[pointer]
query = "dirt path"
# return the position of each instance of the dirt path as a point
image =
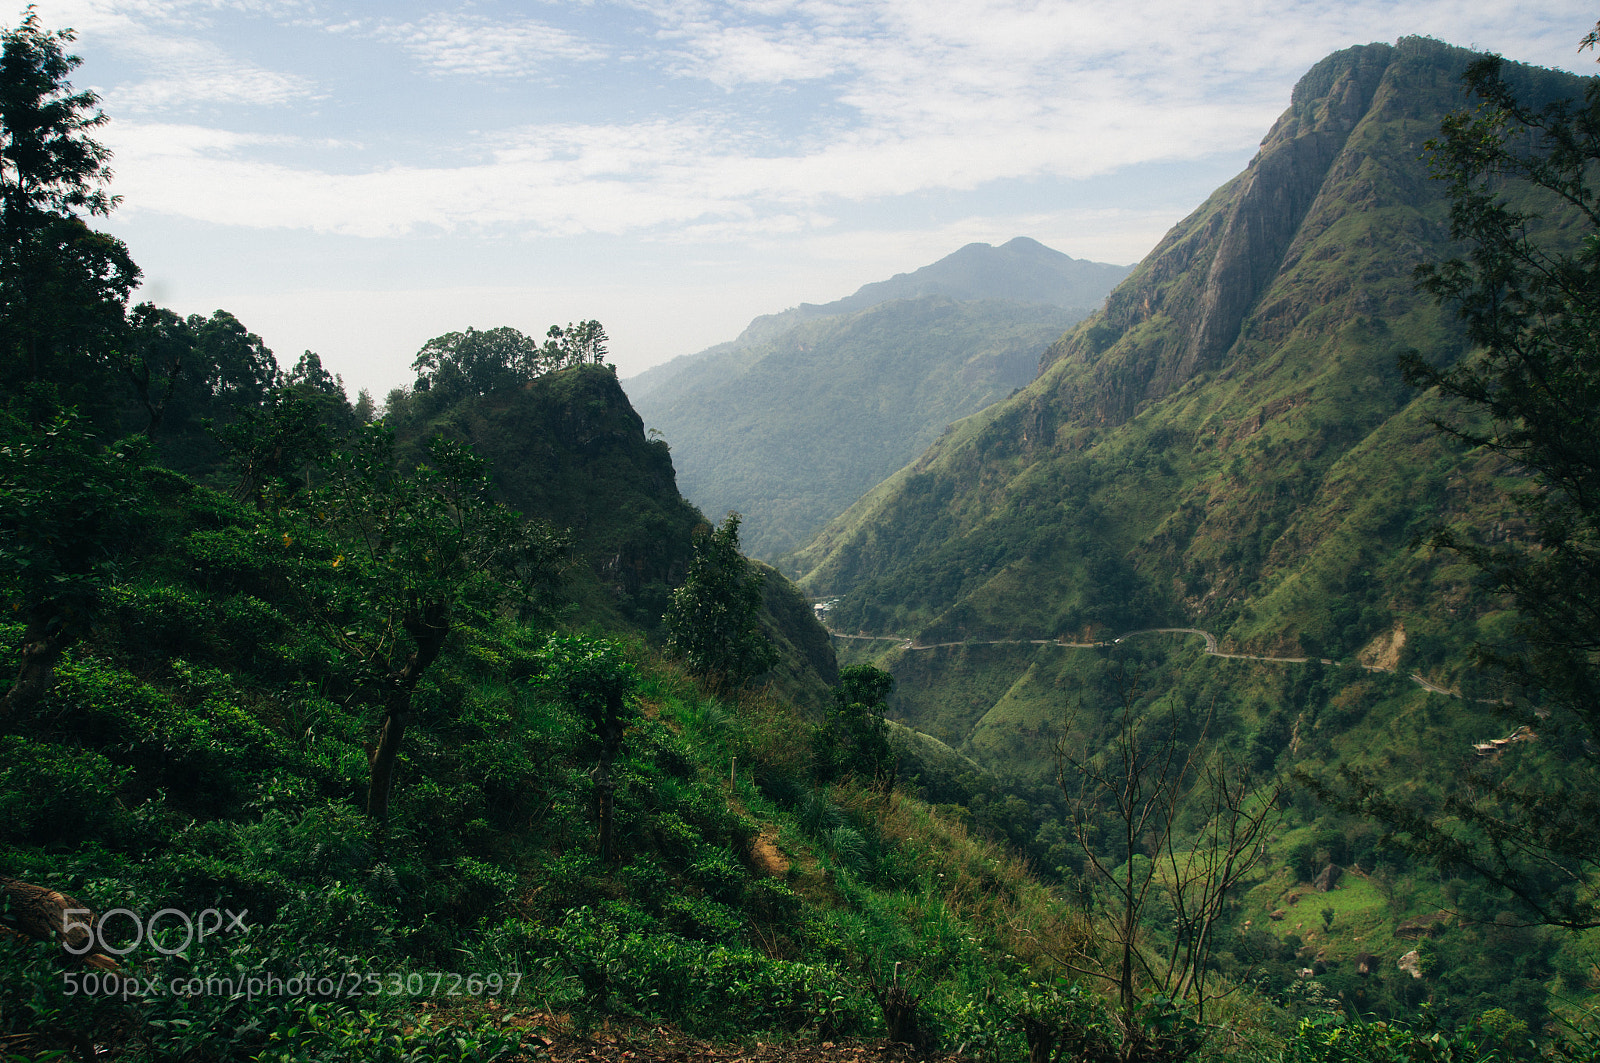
(549, 1039)
(765, 854)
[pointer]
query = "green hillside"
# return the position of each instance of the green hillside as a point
(1229, 447)
(314, 748)
(1229, 444)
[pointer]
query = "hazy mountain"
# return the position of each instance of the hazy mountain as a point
(1020, 270)
(790, 423)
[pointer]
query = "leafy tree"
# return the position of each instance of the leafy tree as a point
(580, 344)
(47, 163)
(236, 368)
(597, 682)
(309, 374)
(1528, 291)
(159, 348)
(714, 620)
(271, 447)
(855, 739)
(413, 547)
(458, 364)
(63, 286)
(68, 506)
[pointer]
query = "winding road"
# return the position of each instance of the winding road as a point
(1212, 649)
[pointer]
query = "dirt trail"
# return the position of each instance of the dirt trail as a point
(765, 854)
(548, 1038)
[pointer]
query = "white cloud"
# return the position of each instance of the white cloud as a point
(180, 70)
(475, 46)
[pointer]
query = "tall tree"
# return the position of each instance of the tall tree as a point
(855, 738)
(714, 620)
(413, 545)
(1524, 203)
(63, 287)
(598, 682)
(580, 344)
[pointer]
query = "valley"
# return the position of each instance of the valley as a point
(1192, 660)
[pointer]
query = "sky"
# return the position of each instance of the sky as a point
(355, 178)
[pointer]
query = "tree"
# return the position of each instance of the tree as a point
(271, 447)
(1124, 805)
(475, 363)
(855, 738)
(1523, 202)
(598, 682)
(68, 509)
(63, 286)
(234, 366)
(48, 163)
(714, 620)
(580, 344)
(412, 547)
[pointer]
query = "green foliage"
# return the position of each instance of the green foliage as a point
(1528, 291)
(855, 739)
(458, 365)
(706, 988)
(69, 508)
(713, 620)
(1335, 1039)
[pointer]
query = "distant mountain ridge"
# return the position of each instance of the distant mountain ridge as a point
(1021, 270)
(791, 422)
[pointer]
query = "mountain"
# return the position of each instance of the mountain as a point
(808, 409)
(1207, 508)
(1020, 270)
(1228, 445)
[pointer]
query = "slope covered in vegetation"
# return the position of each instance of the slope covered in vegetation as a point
(1229, 446)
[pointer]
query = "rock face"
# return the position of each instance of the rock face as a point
(1411, 963)
(1328, 878)
(1231, 255)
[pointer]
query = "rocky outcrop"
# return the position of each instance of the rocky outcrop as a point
(1280, 186)
(1328, 878)
(40, 913)
(1411, 963)
(1424, 926)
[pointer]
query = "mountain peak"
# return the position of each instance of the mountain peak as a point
(1022, 270)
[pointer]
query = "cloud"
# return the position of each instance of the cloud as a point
(815, 105)
(475, 46)
(182, 71)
